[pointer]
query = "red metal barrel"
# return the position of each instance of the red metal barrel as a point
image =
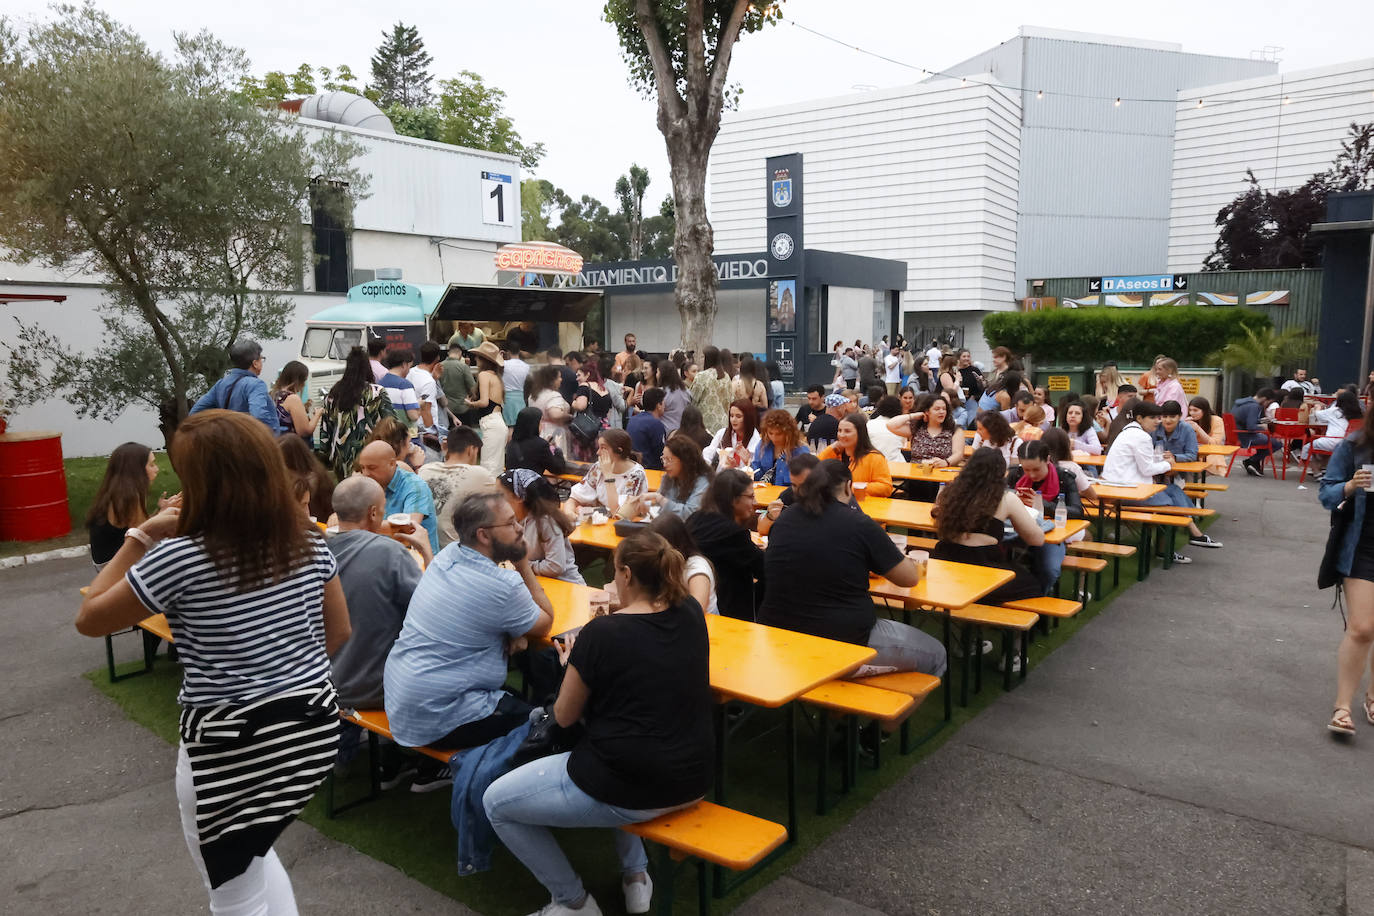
(33, 487)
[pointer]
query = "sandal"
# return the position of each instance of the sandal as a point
(1369, 708)
(1340, 721)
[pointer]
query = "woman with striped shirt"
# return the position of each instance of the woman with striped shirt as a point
(254, 603)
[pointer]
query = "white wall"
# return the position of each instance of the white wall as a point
(1247, 124)
(77, 322)
(850, 315)
(654, 320)
(422, 260)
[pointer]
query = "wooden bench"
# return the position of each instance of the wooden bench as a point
(1054, 608)
(1207, 487)
(1012, 623)
(1082, 567)
(916, 542)
(852, 701)
(377, 725)
(1148, 517)
(1101, 549)
(914, 684)
(709, 834)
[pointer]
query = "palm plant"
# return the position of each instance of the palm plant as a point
(1265, 352)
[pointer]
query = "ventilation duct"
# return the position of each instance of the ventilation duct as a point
(347, 109)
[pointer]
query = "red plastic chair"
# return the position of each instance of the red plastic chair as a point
(1228, 420)
(1354, 427)
(1283, 435)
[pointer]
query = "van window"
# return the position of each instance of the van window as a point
(345, 339)
(316, 343)
(330, 343)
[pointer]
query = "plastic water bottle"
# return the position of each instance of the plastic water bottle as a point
(1061, 513)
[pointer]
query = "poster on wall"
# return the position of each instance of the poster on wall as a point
(783, 352)
(782, 307)
(500, 199)
(1267, 297)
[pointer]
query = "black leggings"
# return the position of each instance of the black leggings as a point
(510, 712)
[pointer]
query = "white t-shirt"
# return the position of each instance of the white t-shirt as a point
(426, 392)
(884, 439)
(514, 373)
(697, 565)
(933, 358)
(893, 364)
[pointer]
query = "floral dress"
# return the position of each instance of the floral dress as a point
(342, 434)
(711, 394)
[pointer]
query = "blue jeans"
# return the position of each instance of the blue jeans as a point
(527, 801)
(1171, 495)
(906, 648)
(1048, 559)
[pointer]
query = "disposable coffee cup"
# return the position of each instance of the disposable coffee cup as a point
(860, 490)
(1369, 468)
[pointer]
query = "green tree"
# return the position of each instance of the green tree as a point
(1265, 230)
(472, 114)
(659, 231)
(400, 68)
(539, 203)
(1265, 352)
(163, 180)
(629, 190)
(592, 229)
(679, 52)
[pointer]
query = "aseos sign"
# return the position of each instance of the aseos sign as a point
(534, 257)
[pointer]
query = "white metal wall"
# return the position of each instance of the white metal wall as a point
(653, 319)
(1247, 124)
(926, 174)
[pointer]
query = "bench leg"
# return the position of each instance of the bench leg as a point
(1006, 659)
(978, 659)
(663, 888)
(1025, 652)
(703, 891)
(963, 667)
(823, 764)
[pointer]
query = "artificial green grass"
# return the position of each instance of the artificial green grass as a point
(83, 480)
(414, 833)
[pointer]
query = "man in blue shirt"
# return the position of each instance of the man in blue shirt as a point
(406, 491)
(647, 431)
(402, 393)
(445, 676)
(1249, 414)
(241, 389)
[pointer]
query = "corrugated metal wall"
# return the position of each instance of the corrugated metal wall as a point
(1305, 292)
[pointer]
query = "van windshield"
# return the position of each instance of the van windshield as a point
(330, 343)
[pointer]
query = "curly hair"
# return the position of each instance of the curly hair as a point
(967, 500)
(998, 429)
(785, 423)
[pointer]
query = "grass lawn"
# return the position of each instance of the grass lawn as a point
(414, 832)
(83, 480)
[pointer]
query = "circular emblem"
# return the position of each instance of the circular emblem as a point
(782, 246)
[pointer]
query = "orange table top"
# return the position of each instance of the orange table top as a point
(913, 514)
(1113, 493)
(571, 602)
(1222, 450)
(1190, 467)
(905, 470)
(946, 585)
(1090, 461)
(766, 493)
(767, 666)
(601, 536)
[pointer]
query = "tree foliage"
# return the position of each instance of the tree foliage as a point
(275, 86)
(1264, 352)
(678, 52)
(588, 226)
(400, 69)
(1264, 230)
(163, 180)
(1188, 333)
(629, 190)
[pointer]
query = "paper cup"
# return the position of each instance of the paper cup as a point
(860, 490)
(922, 559)
(1370, 469)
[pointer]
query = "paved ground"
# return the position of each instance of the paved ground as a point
(1170, 759)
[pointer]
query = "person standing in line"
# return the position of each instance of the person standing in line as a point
(934, 354)
(427, 392)
(485, 407)
(627, 360)
(404, 403)
(241, 389)
(515, 373)
(352, 409)
(892, 371)
(252, 596)
(711, 390)
(648, 431)
(286, 397)
(676, 397)
(1168, 388)
(868, 369)
(376, 352)
(456, 478)
(1345, 490)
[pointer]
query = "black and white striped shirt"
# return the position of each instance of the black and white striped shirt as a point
(236, 647)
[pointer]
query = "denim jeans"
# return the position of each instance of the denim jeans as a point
(906, 648)
(1171, 495)
(1048, 559)
(527, 801)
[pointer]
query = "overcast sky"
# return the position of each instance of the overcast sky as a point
(560, 64)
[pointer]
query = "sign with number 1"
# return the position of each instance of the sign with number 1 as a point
(500, 199)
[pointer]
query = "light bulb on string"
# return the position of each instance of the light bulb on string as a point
(1040, 94)
(1118, 101)
(1287, 100)
(1199, 103)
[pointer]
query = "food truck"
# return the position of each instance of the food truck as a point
(408, 314)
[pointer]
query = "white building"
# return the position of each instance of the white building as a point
(1284, 127)
(429, 212)
(1015, 164)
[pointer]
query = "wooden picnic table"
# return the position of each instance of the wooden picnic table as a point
(1225, 451)
(906, 470)
(909, 513)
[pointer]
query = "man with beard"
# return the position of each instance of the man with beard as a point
(445, 674)
(627, 360)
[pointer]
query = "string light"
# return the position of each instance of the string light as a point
(1199, 103)
(1040, 94)
(1286, 100)
(1118, 101)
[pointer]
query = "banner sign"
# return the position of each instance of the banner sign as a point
(1142, 283)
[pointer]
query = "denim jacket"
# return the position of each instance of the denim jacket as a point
(1342, 466)
(473, 772)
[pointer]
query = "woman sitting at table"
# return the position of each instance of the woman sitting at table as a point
(993, 431)
(970, 515)
(907, 398)
(617, 481)
(820, 554)
(1210, 429)
(409, 456)
(527, 450)
(121, 502)
(639, 681)
(932, 431)
(784, 440)
(733, 446)
(1008, 387)
(1337, 418)
(1039, 473)
(546, 528)
(1031, 425)
(886, 409)
(1078, 424)
(866, 464)
(685, 478)
(1057, 441)
(698, 575)
(722, 530)
(693, 427)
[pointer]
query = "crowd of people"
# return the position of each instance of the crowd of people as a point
(462, 456)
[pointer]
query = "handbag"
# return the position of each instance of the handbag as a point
(546, 738)
(1327, 573)
(585, 426)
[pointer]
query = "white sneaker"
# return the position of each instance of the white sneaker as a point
(554, 908)
(638, 894)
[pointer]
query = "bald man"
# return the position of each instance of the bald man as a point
(405, 492)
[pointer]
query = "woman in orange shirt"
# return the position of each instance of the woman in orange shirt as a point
(866, 464)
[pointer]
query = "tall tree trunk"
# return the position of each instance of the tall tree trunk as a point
(693, 243)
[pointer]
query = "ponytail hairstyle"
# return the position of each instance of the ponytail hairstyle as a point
(821, 485)
(654, 565)
(620, 444)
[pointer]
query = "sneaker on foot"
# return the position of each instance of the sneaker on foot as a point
(393, 774)
(554, 908)
(432, 781)
(1181, 559)
(984, 649)
(1253, 471)
(638, 894)
(1015, 663)
(1203, 541)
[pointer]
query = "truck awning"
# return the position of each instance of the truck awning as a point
(515, 303)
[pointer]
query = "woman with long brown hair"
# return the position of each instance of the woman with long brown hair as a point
(686, 475)
(694, 427)
(867, 466)
(252, 597)
(546, 527)
(311, 480)
(1343, 491)
(721, 529)
(352, 409)
(751, 383)
(616, 481)
(286, 395)
(733, 445)
(122, 500)
(485, 408)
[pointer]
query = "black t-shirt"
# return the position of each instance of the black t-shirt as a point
(825, 428)
(649, 741)
(805, 415)
(817, 570)
(567, 384)
(972, 381)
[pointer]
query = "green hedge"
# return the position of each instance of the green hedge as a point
(1187, 333)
